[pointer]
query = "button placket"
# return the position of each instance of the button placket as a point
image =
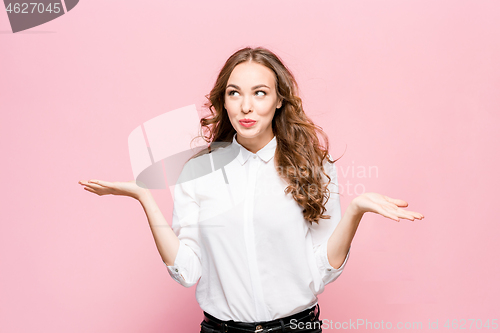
(258, 296)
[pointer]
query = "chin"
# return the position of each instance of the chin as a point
(248, 134)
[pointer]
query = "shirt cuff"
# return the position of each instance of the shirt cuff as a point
(328, 272)
(178, 271)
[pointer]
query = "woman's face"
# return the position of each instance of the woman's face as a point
(251, 94)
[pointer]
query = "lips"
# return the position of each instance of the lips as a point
(247, 122)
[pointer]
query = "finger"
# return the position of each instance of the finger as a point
(408, 212)
(392, 205)
(416, 215)
(90, 190)
(100, 182)
(89, 183)
(398, 202)
(94, 186)
(388, 214)
(405, 214)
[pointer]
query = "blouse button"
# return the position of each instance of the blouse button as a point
(329, 269)
(254, 157)
(176, 270)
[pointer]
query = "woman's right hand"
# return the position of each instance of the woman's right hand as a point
(101, 187)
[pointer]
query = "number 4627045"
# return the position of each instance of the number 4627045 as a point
(24, 8)
(478, 324)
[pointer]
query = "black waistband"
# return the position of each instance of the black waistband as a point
(235, 326)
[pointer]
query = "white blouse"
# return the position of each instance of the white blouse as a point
(245, 241)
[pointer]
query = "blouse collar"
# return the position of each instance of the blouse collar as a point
(265, 153)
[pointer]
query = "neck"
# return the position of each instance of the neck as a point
(254, 144)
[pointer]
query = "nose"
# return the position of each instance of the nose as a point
(246, 104)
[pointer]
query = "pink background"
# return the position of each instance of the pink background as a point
(409, 87)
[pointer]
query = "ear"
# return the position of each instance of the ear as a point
(279, 103)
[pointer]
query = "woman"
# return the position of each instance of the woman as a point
(253, 230)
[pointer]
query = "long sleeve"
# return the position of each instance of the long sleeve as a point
(187, 266)
(321, 232)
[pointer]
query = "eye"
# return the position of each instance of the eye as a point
(260, 91)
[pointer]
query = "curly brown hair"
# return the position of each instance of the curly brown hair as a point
(299, 155)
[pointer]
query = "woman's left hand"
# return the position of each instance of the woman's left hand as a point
(385, 206)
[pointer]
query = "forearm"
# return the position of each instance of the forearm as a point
(341, 238)
(165, 238)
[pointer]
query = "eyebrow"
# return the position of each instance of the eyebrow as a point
(253, 88)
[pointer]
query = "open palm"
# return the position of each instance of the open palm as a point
(385, 206)
(101, 187)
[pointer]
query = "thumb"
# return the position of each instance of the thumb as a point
(399, 202)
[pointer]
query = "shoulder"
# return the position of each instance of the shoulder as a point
(330, 170)
(206, 162)
(194, 168)
(329, 165)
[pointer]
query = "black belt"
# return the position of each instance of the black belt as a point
(277, 325)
